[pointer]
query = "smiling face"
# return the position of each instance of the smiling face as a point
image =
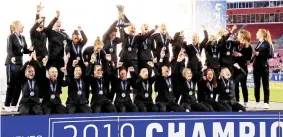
(53, 73)
(225, 73)
(78, 72)
(163, 28)
(75, 39)
(209, 75)
(165, 71)
(144, 73)
(144, 28)
(187, 74)
(132, 29)
(123, 74)
(195, 39)
(112, 35)
(98, 72)
(30, 72)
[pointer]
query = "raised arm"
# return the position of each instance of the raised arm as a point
(204, 41)
(110, 29)
(84, 38)
(34, 27)
(51, 24)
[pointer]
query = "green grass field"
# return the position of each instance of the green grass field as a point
(276, 93)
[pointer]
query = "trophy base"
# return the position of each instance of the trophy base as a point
(123, 25)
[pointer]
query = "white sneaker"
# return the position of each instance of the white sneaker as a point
(14, 108)
(187, 110)
(7, 109)
(257, 105)
(245, 104)
(266, 106)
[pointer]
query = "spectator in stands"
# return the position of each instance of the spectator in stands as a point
(261, 54)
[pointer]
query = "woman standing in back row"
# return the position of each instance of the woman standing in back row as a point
(261, 54)
(242, 54)
(16, 47)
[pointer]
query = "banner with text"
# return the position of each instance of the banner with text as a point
(273, 78)
(250, 124)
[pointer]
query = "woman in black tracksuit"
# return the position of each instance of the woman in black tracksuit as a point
(207, 91)
(164, 87)
(188, 97)
(16, 47)
(99, 57)
(242, 55)
(111, 41)
(121, 88)
(100, 101)
(52, 86)
(226, 90)
(143, 90)
(29, 80)
(178, 44)
(76, 101)
(74, 48)
(194, 52)
(263, 52)
(162, 41)
(215, 49)
(146, 48)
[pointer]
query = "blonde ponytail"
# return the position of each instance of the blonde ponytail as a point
(12, 29)
(98, 42)
(268, 39)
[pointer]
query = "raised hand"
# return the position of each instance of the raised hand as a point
(58, 13)
(162, 54)
(44, 61)
(236, 65)
(34, 55)
(75, 62)
(63, 69)
(154, 60)
(119, 64)
(108, 57)
(150, 63)
(79, 28)
(203, 27)
(31, 48)
(39, 7)
(131, 69)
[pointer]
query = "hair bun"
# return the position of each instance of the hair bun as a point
(76, 32)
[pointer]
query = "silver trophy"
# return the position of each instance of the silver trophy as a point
(121, 22)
